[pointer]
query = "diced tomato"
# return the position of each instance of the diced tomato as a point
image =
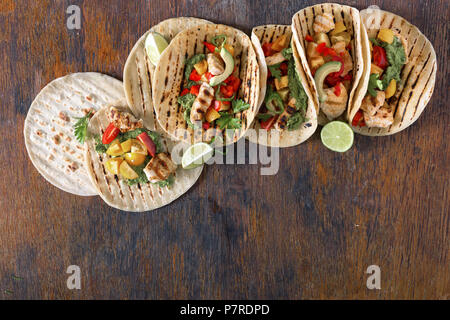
(333, 78)
(194, 76)
(211, 47)
(267, 49)
(284, 68)
(206, 125)
(218, 104)
(266, 125)
(148, 143)
(184, 92)
(347, 77)
(309, 38)
(337, 89)
(110, 134)
(358, 119)
(208, 75)
(379, 57)
(321, 47)
(195, 90)
(234, 82)
(227, 91)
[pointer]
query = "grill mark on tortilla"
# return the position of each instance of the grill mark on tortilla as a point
(149, 77)
(418, 74)
(116, 178)
(425, 89)
(140, 85)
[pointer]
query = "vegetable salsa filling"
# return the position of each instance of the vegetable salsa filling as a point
(285, 103)
(135, 153)
(210, 90)
(388, 58)
(329, 57)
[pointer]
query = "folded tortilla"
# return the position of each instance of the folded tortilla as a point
(417, 78)
(285, 138)
(168, 80)
(114, 190)
(138, 71)
(302, 25)
(49, 133)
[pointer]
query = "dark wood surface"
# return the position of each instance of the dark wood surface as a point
(308, 232)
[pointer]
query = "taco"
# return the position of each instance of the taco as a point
(131, 166)
(50, 139)
(138, 71)
(328, 37)
(400, 64)
(207, 81)
(285, 105)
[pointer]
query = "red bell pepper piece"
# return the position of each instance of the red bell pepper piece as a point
(184, 92)
(210, 46)
(218, 104)
(266, 125)
(337, 89)
(110, 134)
(309, 38)
(208, 75)
(195, 90)
(206, 125)
(267, 49)
(148, 143)
(379, 57)
(194, 76)
(358, 119)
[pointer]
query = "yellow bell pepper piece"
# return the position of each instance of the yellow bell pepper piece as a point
(390, 90)
(386, 35)
(339, 27)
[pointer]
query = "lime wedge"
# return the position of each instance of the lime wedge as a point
(154, 46)
(337, 136)
(196, 155)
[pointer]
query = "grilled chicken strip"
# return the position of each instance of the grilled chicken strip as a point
(275, 58)
(383, 118)
(202, 102)
(323, 23)
(370, 105)
(287, 113)
(160, 168)
(215, 64)
(334, 106)
(124, 121)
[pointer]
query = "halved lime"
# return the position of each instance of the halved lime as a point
(337, 136)
(196, 155)
(155, 44)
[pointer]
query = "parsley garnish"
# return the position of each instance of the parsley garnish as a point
(275, 70)
(81, 127)
(374, 83)
(239, 105)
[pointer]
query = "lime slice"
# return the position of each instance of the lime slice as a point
(337, 136)
(196, 155)
(154, 46)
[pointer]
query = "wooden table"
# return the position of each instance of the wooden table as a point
(310, 231)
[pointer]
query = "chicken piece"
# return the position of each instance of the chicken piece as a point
(348, 63)
(383, 118)
(323, 23)
(289, 110)
(124, 121)
(339, 47)
(160, 167)
(275, 58)
(370, 105)
(202, 102)
(334, 106)
(215, 64)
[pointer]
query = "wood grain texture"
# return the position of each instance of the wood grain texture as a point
(308, 232)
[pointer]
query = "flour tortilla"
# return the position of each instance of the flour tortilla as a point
(138, 71)
(261, 35)
(169, 76)
(302, 25)
(417, 78)
(115, 191)
(48, 130)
